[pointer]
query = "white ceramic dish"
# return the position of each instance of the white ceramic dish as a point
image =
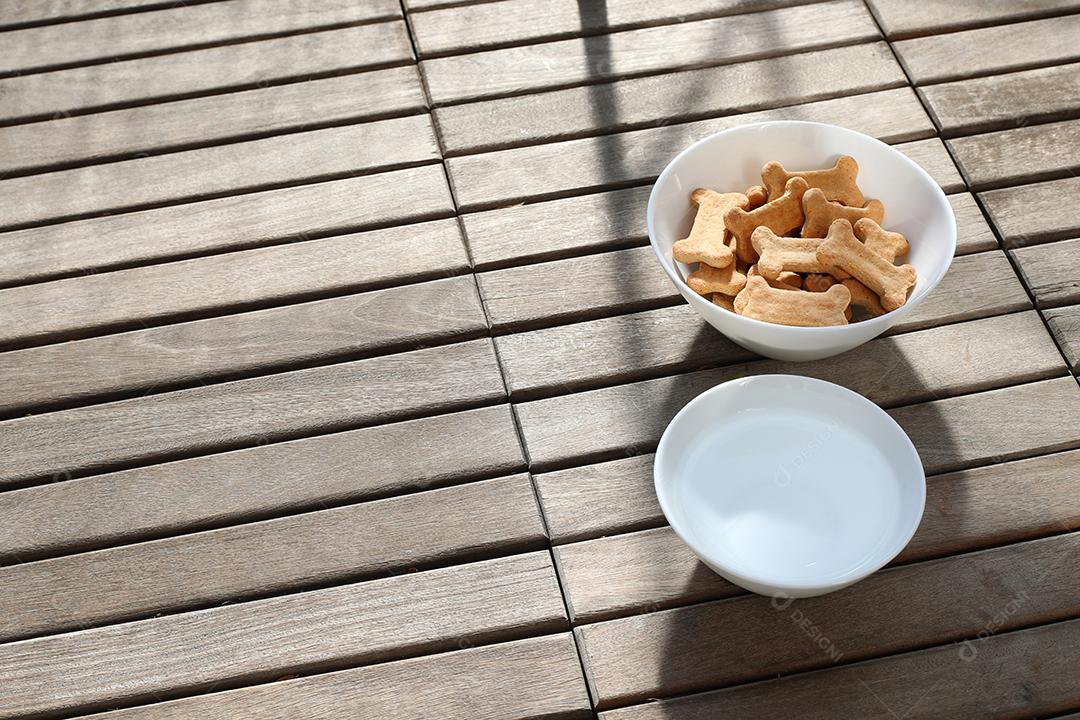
(730, 161)
(789, 486)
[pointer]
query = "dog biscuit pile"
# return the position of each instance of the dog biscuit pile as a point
(803, 248)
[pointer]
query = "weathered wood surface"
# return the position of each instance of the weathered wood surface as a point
(962, 293)
(123, 36)
(229, 223)
(1031, 214)
(597, 109)
(546, 171)
(273, 557)
(485, 25)
(1016, 674)
(656, 343)
(519, 680)
(80, 306)
(999, 102)
(965, 511)
(1021, 155)
(260, 482)
(615, 219)
(593, 500)
(624, 348)
(52, 11)
(281, 379)
(575, 288)
(648, 50)
(904, 608)
(123, 134)
(232, 346)
(245, 65)
(244, 413)
(1064, 323)
(321, 630)
(949, 433)
(228, 169)
(1051, 272)
(900, 18)
(991, 50)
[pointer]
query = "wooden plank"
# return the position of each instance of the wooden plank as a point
(257, 483)
(532, 678)
(1065, 325)
(593, 500)
(630, 347)
(962, 294)
(122, 134)
(52, 11)
(546, 171)
(244, 413)
(244, 65)
(1021, 155)
(484, 26)
(900, 19)
(1033, 214)
(299, 552)
(616, 219)
(606, 423)
(1018, 674)
(124, 36)
(1004, 101)
(531, 296)
(231, 223)
(964, 431)
(973, 234)
(660, 100)
(81, 306)
(557, 228)
(227, 169)
(585, 355)
(1051, 272)
(316, 631)
(661, 654)
(931, 156)
(970, 510)
(233, 346)
(636, 52)
(986, 51)
(575, 288)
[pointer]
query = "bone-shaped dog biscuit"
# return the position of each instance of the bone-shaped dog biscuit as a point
(780, 215)
(838, 182)
(707, 279)
(706, 240)
(725, 301)
(777, 254)
(760, 301)
(889, 282)
(863, 297)
(820, 213)
(889, 245)
(758, 196)
(784, 281)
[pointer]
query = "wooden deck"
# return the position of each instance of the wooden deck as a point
(332, 355)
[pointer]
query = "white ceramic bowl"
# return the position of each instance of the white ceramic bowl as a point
(730, 161)
(789, 486)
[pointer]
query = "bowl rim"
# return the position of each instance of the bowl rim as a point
(885, 320)
(835, 581)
